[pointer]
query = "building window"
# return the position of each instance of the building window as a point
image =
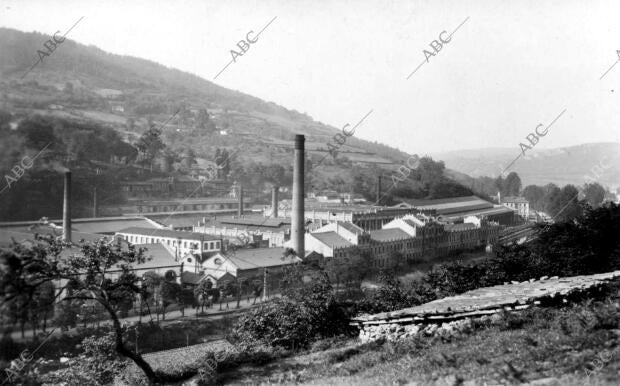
(168, 241)
(217, 245)
(184, 244)
(206, 245)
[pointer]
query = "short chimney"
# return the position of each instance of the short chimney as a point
(66, 209)
(297, 220)
(240, 209)
(274, 201)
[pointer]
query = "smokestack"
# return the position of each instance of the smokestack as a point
(378, 188)
(297, 220)
(240, 209)
(95, 205)
(274, 201)
(66, 209)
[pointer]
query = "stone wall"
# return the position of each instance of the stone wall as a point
(396, 331)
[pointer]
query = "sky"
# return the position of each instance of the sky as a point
(509, 67)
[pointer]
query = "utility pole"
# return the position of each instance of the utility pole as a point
(95, 202)
(264, 284)
(238, 291)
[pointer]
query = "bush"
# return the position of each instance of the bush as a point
(309, 311)
(280, 323)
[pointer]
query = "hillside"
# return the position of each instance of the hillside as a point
(567, 165)
(124, 92)
(96, 108)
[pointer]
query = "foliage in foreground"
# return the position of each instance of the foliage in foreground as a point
(307, 311)
(85, 271)
(515, 348)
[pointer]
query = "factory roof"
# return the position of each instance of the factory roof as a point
(7, 236)
(459, 227)
(159, 256)
(252, 258)
(350, 227)
(515, 200)
(168, 233)
(481, 212)
(331, 239)
(104, 225)
(389, 234)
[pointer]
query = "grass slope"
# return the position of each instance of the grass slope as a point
(574, 345)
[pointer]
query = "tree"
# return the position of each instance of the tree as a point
(594, 194)
(222, 161)
(569, 204)
(37, 131)
(24, 268)
(204, 122)
(306, 311)
(151, 283)
(150, 144)
(551, 199)
(44, 302)
(66, 314)
(512, 185)
(229, 290)
(170, 292)
(535, 195)
(201, 292)
(186, 298)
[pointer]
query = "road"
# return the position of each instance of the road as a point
(210, 314)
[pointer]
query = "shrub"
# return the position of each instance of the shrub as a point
(309, 311)
(280, 323)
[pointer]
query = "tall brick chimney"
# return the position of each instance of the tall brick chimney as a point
(66, 209)
(297, 220)
(274, 201)
(378, 188)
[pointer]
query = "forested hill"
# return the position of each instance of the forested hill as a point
(147, 89)
(115, 118)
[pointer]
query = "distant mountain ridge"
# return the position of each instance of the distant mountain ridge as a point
(561, 166)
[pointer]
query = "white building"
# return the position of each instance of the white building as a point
(180, 242)
(519, 204)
